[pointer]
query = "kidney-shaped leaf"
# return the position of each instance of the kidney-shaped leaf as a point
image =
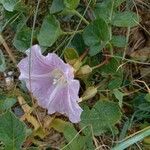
(49, 32)
(12, 131)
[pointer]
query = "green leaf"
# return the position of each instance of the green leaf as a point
(59, 125)
(125, 19)
(2, 62)
(78, 142)
(49, 32)
(96, 35)
(111, 67)
(116, 81)
(12, 131)
(22, 39)
(78, 43)
(6, 103)
(57, 6)
(71, 4)
(116, 73)
(103, 116)
(70, 133)
(9, 5)
(70, 54)
(118, 2)
(104, 9)
(119, 95)
(118, 41)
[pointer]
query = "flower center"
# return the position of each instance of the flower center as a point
(58, 77)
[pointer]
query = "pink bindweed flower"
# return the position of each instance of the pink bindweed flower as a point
(51, 82)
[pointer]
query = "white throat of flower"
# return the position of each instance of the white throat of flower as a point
(58, 77)
(59, 81)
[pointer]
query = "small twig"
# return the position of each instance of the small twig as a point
(101, 64)
(8, 50)
(148, 89)
(84, 54)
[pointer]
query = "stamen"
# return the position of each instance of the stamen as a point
(58, 77)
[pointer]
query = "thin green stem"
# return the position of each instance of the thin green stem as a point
(128, 60)
(80, 16)
(127, 39)
(71, 37)
(72, 32)
(110, 18)
(111, 48)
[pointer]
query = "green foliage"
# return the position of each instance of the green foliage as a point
(119, 95)
(6, 103)
(79, 142)
(103, 10)
(57, 6)
(102, 117)
(118, 41)
(71, 4)
(147, 97)
(78, 43)
(75, 140)
(12, 131)
(22, 39)
(116, 80)
(96, 35)
(66, 5)
(111, 67)
(106, 9)
(70, 54)
(116, 73)
(91, 37)
(141, 107)
(49, 32)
